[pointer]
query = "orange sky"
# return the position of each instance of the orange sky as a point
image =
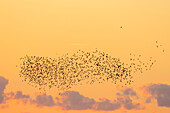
(47, 27)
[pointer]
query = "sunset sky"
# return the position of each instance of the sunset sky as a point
(51, 28)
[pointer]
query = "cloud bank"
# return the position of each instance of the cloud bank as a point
(72, 100)
(161, 92)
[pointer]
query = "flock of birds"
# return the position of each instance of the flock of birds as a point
(81, 67)
(160, 46)
(66, 71)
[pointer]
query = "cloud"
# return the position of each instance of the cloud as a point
(124, 97)
(19, 95)
(161, 92)
(129, 91)
(106, 105)
(40, 100)
(72, 100)
(44, 100)
(129, 105)
(3, 83)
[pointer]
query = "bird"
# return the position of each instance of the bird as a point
(163, 50)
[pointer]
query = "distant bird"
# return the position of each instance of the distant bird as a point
(160, 46)
(121, 27)
(163, 50)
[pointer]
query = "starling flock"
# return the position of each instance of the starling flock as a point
(82, 66)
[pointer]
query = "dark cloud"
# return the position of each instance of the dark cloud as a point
(129, 105)
(41, 100)
(3, 83)
(124, 97)
(106, 105)
(72, 100)
(24, 98)
(44, 100)
(161, 92)
(126, 101)
(129, 91)
(19, 95)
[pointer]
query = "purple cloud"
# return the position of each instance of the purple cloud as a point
(3, 83)
(161, 92)
(124, 97)
(106, 105)
(44, 100)
(129, 105)
(19, 95)
(74, 101)
(129, 91)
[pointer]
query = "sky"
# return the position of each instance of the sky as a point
(51, 28)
